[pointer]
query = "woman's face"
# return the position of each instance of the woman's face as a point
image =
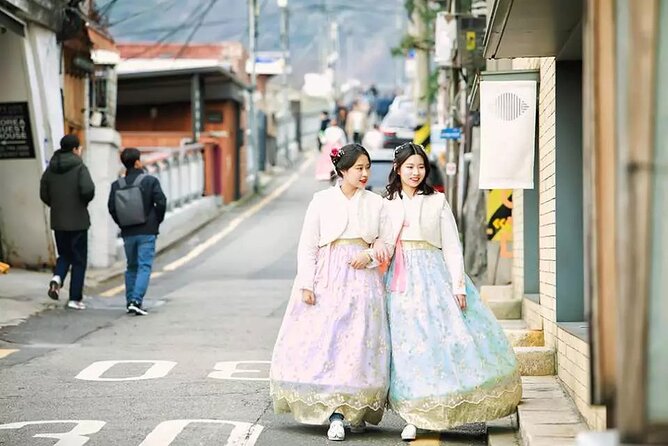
(358, 175)
(412, 172)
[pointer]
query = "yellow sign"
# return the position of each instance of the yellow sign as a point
(423, 137)
(470, 40)
(500, 219)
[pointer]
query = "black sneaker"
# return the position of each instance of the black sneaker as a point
(127, 309)
(54, 290)
(137, 309)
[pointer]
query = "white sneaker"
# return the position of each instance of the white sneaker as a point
(358, 428)
(336, 431)
(76, 305)
(409, 433)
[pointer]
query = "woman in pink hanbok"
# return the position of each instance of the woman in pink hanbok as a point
(331, 358)
(332, 138)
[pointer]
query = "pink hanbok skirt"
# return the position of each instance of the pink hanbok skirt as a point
(334, 355)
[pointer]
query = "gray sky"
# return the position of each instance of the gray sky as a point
(368, 29)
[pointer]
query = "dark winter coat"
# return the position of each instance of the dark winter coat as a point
(155, 203)
(67, 188)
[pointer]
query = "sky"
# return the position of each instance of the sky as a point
(368, 29)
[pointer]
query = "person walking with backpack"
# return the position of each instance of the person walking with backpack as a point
(67, 187)
(137, 205)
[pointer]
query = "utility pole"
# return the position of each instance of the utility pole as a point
(334, 55)
(452, 156)
(398, 65)
(254, 154)
(422, 63)
(283, 5)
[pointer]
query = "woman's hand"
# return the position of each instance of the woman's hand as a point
(308, 297)
(381, 251)
(360, 261)
(461, 301)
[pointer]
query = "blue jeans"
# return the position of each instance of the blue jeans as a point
(72, 252)
(139, 252)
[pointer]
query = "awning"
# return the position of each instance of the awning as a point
(12, 23)
(535, 28)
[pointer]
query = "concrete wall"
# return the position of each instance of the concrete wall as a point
(29, 73)
(101, 157)
(569, 194)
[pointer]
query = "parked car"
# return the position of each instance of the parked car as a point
(381, 166)
(398, 127)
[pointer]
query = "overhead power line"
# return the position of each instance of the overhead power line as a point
(196, 28)
(163, 5)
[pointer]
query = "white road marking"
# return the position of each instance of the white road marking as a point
(227, 370)
(76, 437)
(94, 372)
(243, 434)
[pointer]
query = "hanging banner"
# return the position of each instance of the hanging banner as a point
(507, 134)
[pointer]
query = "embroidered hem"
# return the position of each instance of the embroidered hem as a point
(484, 403)
(315, 407)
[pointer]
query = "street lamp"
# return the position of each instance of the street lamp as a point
(282, 3)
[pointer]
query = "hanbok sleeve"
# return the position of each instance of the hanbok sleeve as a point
(307, 251)
(386, 234)
(385, 239)
(452, 249)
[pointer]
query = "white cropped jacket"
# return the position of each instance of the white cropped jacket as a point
(326, 220)
(438, 227)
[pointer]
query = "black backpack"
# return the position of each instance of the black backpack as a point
(129, 202)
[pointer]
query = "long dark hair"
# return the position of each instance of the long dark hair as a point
(346, 157)
(401, 154)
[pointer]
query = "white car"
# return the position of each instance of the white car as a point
(398, 127)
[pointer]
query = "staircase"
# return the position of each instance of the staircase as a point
(534, 358)
(546, 416)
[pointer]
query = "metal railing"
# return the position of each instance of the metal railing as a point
(180, 171)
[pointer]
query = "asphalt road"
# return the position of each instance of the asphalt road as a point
(203, 350)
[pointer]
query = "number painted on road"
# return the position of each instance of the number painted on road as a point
(76, 437)
(94, 372)
(243, 434)
(229, 370)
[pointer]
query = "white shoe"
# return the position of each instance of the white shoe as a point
(76, 305)
(336, 431)
(409, 433)
(358, 428)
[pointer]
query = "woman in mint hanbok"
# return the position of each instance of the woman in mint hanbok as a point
(331, 358)
(451, 362)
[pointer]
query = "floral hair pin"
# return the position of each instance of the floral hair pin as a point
(336, 154)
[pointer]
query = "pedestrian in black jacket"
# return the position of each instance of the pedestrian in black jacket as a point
(137, 205)
(67, 188)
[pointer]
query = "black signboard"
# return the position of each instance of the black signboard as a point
(15, 132)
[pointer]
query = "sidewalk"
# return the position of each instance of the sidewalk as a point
(23, 294)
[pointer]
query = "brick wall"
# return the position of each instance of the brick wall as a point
(546, 199)
(574, 372)
(572, 352)
(547, 187)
